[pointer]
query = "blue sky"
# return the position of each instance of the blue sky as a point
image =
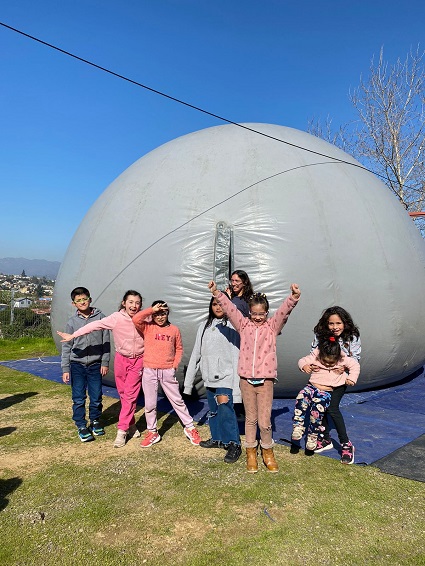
(68, 130)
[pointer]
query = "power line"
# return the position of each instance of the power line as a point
(174, 99)
(189, 105)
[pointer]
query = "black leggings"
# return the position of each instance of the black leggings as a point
(337, 418)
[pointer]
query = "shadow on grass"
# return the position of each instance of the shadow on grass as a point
(17, 398)
(6, 488)
(111, 414)
(7, 430)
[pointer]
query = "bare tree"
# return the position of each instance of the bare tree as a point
(388, 135)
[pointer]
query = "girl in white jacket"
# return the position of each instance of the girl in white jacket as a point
(216, 353)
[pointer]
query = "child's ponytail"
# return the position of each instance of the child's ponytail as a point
(329, 347)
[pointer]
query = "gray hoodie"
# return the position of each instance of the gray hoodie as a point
(216, 355)
(88, 349)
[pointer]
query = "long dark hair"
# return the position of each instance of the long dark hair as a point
(247, 287)
(211, 317)
(350, 329)
(127, 294)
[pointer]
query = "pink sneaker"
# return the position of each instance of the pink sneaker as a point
(193, 435)
(149, 439)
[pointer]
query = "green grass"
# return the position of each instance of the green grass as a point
(26, 348)
(69, 503)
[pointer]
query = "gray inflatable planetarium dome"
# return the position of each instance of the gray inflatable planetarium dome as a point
(226, 198)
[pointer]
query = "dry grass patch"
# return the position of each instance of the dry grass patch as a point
(68, 503)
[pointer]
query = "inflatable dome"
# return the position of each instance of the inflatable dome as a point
(302, 211)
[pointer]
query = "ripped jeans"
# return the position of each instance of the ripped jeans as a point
(222, 417)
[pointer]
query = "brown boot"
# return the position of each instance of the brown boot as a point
(269, 460)
(251, 460)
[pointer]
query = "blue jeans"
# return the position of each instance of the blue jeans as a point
(222, 417)
(85, 379)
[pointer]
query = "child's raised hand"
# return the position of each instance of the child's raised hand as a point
(65, 336)
(296, 291)
(160, 307)
(212, 287)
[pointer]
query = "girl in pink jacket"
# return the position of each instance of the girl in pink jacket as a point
(128, 362)
(258, 367)
(333, 368)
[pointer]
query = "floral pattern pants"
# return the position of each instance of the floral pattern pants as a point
(315, 400)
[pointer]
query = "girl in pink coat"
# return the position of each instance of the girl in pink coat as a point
(257, 367)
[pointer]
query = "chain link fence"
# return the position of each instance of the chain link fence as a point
(25, 317)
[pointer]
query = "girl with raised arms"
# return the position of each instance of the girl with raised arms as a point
(257, 367)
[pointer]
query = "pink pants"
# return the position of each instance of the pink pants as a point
(128, 379)
(258, 401)
(170, 387)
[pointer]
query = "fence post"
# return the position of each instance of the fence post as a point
(12, 300)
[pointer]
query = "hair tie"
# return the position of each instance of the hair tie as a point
(331, 338)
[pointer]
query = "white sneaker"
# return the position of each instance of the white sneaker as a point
(120, 439)
(297, 432)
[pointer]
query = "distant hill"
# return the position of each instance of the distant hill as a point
(36, 267)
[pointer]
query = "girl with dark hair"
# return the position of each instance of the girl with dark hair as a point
(333, 369)
(163, 354)
(216, 353)
(128, 361)
(240, 290)
(257, 367)
(338, 322)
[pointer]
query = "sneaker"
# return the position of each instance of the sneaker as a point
(193, 435)
(149, 439)
(120, 439)
(311, 442)
(210, 443)
(297, 432)
(97, 429)
(233, 453)
(133, 432)
(85, 434)
(347, 453)
(323, 444)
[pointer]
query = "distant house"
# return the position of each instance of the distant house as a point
(22, 303)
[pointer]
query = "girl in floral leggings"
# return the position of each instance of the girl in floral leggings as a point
(333, 368)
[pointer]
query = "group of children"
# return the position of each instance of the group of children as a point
(235, 350)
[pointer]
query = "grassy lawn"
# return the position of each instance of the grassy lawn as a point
(22, 348)
(67, 503)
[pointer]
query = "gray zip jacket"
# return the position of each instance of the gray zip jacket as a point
(216, 354)
(88, 349)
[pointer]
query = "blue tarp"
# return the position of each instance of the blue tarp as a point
(378, 422)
